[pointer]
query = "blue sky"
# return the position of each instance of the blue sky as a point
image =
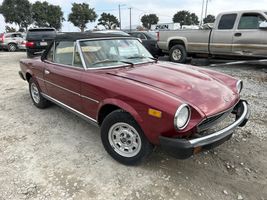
(164, 9)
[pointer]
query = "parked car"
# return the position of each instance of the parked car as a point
(115, 32)
(38, 39)
(137, 101)
(12, 41)
(239, 35)
(149, 40)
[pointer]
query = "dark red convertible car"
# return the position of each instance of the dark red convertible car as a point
(138, 102)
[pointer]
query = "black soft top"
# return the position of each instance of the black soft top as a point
(73, 36)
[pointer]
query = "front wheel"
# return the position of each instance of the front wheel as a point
(123, 138)
(178, 54)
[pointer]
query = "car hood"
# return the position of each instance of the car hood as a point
(186, 83)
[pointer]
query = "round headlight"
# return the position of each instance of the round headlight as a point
(239, 86)
(182, 117)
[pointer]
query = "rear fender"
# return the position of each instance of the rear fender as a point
(182, 40)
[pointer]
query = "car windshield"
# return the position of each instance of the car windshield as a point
(113, 52)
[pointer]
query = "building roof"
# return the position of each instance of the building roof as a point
(73, 36)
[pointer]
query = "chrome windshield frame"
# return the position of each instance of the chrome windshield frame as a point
(97, 39)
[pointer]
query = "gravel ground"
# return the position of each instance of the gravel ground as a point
(52, 154)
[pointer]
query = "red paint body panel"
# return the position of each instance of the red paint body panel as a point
(162, 86)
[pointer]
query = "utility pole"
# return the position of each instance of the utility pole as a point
(206, 11)
(130, 19)
(120, 15)
(120, 5)
(202, 12)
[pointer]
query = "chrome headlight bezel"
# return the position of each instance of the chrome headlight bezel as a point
(176, 117)
(239, 86)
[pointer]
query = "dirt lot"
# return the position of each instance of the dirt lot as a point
(52, 154)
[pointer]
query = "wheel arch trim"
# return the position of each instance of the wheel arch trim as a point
(122, 105)
(182, 39)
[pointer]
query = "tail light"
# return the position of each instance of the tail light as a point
(2, 38)
(158, 36)
(29, 44)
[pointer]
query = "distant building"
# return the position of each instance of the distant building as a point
(190, 27)
(166, 26)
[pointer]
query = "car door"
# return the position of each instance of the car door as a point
(62, 74)
(249, 40)
(144, 39)
(222, 35)
(147, 42)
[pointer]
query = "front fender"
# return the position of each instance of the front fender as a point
(121, 104)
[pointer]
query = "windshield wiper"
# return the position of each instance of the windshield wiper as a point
(135, 57)
(105, 61)
(142, 57)
(112, 61)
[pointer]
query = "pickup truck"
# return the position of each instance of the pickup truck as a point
(241, 34)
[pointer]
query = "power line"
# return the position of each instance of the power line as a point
(108, 10)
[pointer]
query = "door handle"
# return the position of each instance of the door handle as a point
(46, 72)
(238, 34)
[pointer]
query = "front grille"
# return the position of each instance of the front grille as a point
(211, 121)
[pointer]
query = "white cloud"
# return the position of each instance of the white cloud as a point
(164, 9)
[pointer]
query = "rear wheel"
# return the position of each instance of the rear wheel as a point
(38, 100)
(12, 47)
(123, 138)
(178, 54)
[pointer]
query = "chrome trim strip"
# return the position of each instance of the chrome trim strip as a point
(237, 83)
(110, 38)
(70, 109)
(81, 54)
(85, 97)
(99, 68)
(222, 133)
(66, 66)
(82, 96)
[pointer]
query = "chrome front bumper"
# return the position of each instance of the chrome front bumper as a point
(183, 148)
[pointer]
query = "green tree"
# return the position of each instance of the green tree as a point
(81, 14)
(209, 19)
(17, 11)
(47, 15)
(148, 20)
(108, 20)
(184, 17)
(10, 29)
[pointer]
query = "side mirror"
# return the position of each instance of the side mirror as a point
(263, 25)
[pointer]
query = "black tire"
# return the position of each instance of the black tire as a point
(121, 117)
(178, 49)
(29, 55)
(12, 47)
(200, 61)
(42, 102)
